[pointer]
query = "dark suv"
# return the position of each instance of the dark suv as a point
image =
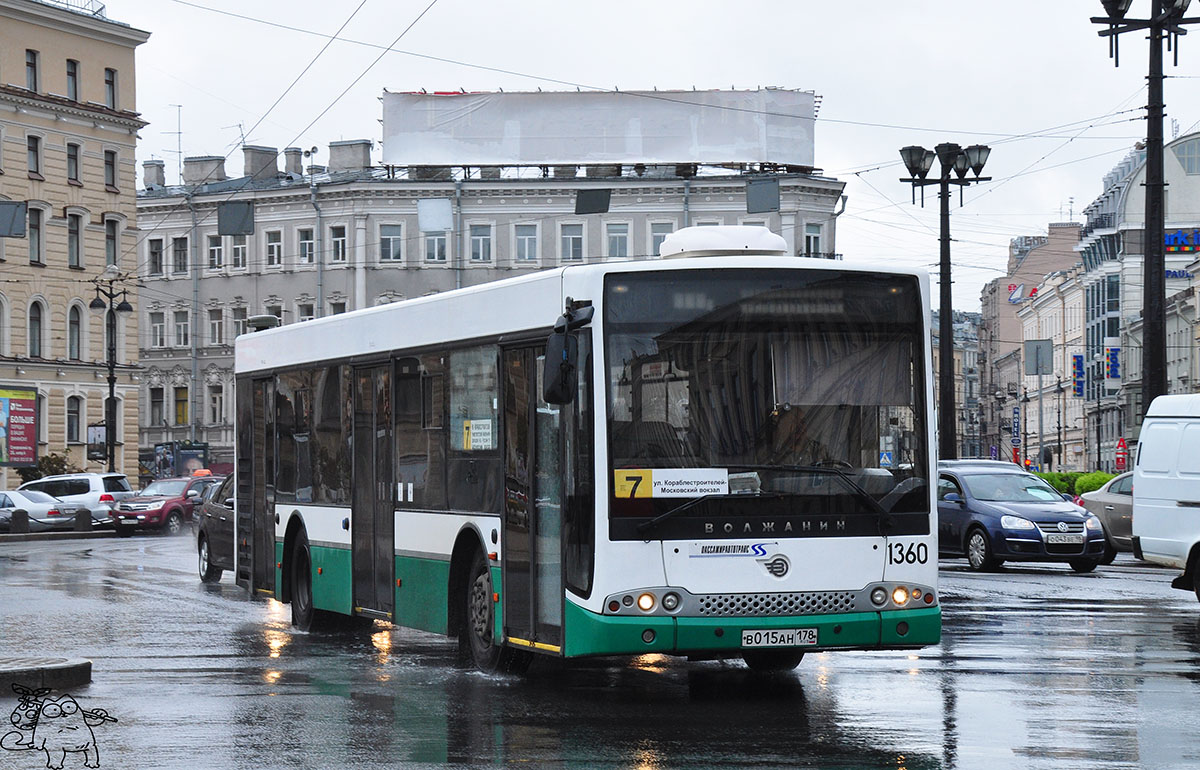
(164, 504)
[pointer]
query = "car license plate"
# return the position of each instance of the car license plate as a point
(779, 637)
(1064, 539)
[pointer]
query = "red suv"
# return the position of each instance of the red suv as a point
(164, 504)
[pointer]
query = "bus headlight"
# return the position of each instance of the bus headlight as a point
(645, 602)
(900, 596)
(879, 596)
(670, 602)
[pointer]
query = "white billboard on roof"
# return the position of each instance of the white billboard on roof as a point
(560, 128)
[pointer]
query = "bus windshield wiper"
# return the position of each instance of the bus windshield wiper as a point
(646, 525)
(885, 517)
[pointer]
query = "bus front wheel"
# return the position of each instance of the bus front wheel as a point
(477, 644)
(772, 660)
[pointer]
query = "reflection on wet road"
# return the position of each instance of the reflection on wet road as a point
(1038, 668)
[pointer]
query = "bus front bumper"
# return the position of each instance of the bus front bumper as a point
(588, 633)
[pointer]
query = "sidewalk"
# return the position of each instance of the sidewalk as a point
(36, 673)
(12, 537)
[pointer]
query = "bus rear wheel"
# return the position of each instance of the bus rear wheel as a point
(304, 616)
(772, 660)
(476, 642)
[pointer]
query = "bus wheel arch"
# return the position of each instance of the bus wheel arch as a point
(294, 528)
(461, 560)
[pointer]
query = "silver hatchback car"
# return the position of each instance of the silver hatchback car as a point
(98, 492)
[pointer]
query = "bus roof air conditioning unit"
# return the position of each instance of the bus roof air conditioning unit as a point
(722, 240)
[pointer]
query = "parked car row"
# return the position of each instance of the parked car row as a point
(53, 502)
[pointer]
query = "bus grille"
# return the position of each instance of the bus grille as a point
(738, 605)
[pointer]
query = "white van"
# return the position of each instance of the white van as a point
(1166, 488)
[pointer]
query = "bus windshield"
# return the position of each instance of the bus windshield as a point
(754, 392)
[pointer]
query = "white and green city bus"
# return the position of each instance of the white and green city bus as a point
(725, 452)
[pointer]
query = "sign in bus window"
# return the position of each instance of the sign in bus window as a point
(474, 399)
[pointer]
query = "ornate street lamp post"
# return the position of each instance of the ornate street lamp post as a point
(958, 161)
(1166, 19)
(103, 305)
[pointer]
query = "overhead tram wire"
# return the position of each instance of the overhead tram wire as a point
(263, 117)
(331, 105)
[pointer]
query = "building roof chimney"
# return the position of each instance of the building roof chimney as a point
(154, 174)
(203, 169)
(293, 161)
(352, 155)
(261, 162)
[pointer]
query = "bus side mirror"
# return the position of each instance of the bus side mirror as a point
(560, 379)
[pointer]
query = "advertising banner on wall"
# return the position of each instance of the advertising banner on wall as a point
(179, 458)
(18, 426)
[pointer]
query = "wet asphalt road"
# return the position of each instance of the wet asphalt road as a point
(1039, 668)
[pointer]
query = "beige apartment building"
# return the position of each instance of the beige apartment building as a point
(68, 130)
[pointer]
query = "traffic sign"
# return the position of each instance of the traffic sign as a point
(1016, 441)
(885, 459)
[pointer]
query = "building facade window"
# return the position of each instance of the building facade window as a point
(181, 406)
(179, 255)
(570, 242)
(156, 407)
(35, 330)
(216, 404)
(337, 308)
(72, 80)
(658, 233)
(274, 248)
(277, 311)
(111, 241)
(154, 257)
(237, 252)
(74, 333)
(110, 88)
(527, 243)
(158, 330)
(110, 170)
(305, 311)
(391, 243)
(481, 243)
(216, 253)
(33, 155)
(307, 249)
(238, 314)
(337, 243)
(34, 235)
(74, 240)
(812, 240)
(32, 69)
(182, 329)
(216, 328)
(435, 247)
(72, 162)
(617, 235)
(74, 417)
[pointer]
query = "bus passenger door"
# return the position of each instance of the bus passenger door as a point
(256, 485)
(373, 513)
(533, 492)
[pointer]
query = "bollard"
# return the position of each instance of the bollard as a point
(20, 522)
(83, 520)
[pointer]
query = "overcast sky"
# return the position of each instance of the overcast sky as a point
(1029, 77)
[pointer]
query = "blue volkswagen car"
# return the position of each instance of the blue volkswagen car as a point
(993, 512)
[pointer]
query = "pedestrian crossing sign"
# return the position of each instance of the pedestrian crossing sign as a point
(885, 459)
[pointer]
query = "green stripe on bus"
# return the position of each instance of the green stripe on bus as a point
(588, 633)
(423, 594)
(332, 580)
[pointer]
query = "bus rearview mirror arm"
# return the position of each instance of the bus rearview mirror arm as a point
(560, 378)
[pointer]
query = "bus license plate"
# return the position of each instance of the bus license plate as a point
(779, 637)
(1064, 539)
